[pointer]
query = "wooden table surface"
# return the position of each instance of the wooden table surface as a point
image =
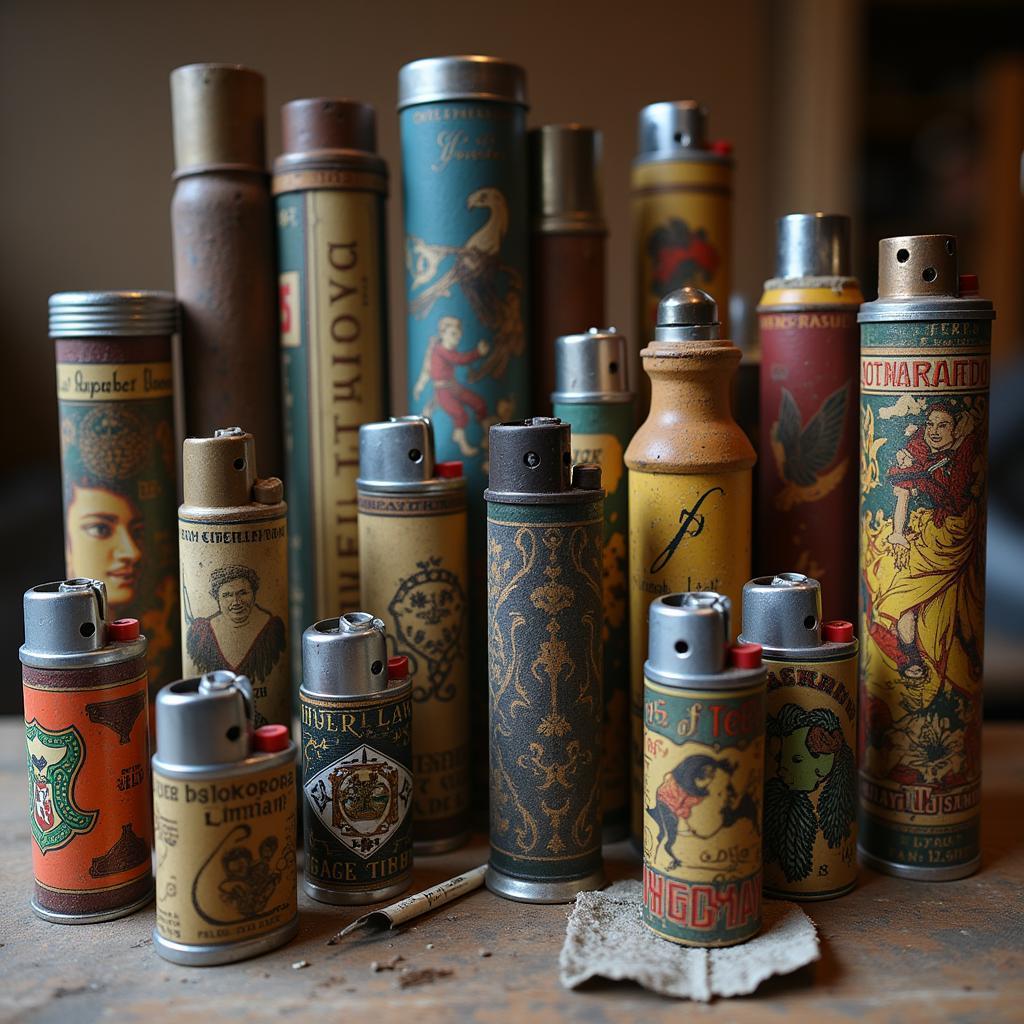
(891, 951)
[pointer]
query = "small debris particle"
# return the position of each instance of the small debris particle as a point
(386, 965)
(62, 991)
(483, 952)
(142, 942)
(299, 964)
(424, 976)
(430, 945)
(451, 917)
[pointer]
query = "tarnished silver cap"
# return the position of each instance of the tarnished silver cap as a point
(675, 130)
(565, 194)
(592, 367)
(688, 314)
(113, 314)
(398, 455)
(812, 245)
(464, 77)
(203, 721)
(345, 657)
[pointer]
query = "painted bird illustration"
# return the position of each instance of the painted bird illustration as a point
(476, 268)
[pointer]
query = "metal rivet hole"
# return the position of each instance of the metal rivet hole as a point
(87, 629)
(810, 622)
(233, 733)
(682, 648)
(415, 455)
(377, 667)
(239, 464)
(531, 460)
(929, 274)
(613, 367)
(902, 256)
(950, 246)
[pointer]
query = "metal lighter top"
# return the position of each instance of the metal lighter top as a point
(812, 245)
(688, 644)
(592, 367)
(117, 314)
(918, 279)
(688, 314)
(464, 77)
(531, 463)
(346, 657)
(677, 130)
(398, 453)
(565, 194)
(217, 115)
(782, 613)
(220, 472)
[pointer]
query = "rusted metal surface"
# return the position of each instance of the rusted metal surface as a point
(892, 951)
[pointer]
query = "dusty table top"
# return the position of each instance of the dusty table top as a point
(891, 951)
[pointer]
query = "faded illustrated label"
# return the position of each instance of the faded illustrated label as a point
(810, 800)
(225, 851)
(234, 605)
(113, 382)
(924, 443)
(703, 758)
(357, 790)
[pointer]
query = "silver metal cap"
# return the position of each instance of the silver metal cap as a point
(812, 245)
(782, 612)
(203, 721)
(688, 314)
(345, 657)
(565, 194)
(592, 367)
(675, 129)
(396, 452)
(66, 618)
(465, 77)
(113, 314)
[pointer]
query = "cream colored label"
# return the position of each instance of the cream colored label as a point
(234, 606)
(113, 382)
(225, 852)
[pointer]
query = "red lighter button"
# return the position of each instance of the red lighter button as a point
(448, 470)
(837, 632)
(269, 739)
(721, 147)
(123, 629)
(968, 284)
(745, 655)
(398, 667)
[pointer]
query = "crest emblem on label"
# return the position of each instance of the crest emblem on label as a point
(362, 798)
(54, 760)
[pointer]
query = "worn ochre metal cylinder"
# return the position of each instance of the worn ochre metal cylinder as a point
(222, 225)
(689, 481)
(224, 799)
(115, 398)
(924, 382)
(356, 710)
(703, 737)
(682, 214)
(330, 188)
(87, 734)
(808, 391)
(233, 539)
(545, 526)
(592, 395)
(567, 245)
(412, 531)
(810, 802)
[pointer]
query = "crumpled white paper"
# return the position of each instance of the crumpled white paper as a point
(606, 937)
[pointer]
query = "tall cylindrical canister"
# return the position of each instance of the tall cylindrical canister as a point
(567, 245)
(330, 188)
(545, 527)
(810, 799)
(924, 383)
(412, 531)
(224, 802)
(87, 734)
(682, 214)
(115, 397)
(689, 482)
(592, 395)
(222, 226)
(233, 538)
(808, 399)
(357, 782)
(703, 775)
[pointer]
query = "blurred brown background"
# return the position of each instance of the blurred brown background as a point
(907, 115)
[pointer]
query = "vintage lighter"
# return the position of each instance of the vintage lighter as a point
(87, 733)
(703, 775)
(689, 481)
(924, 383)
(222, 226)
(810, 800)
(115, 398)
(592, 395)
(567, 245)
(224, 803)
(808, 400)
(357, 783)
(233, 539)
(682, 213)
(412, 532)
(545, 525)
(330, 188)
